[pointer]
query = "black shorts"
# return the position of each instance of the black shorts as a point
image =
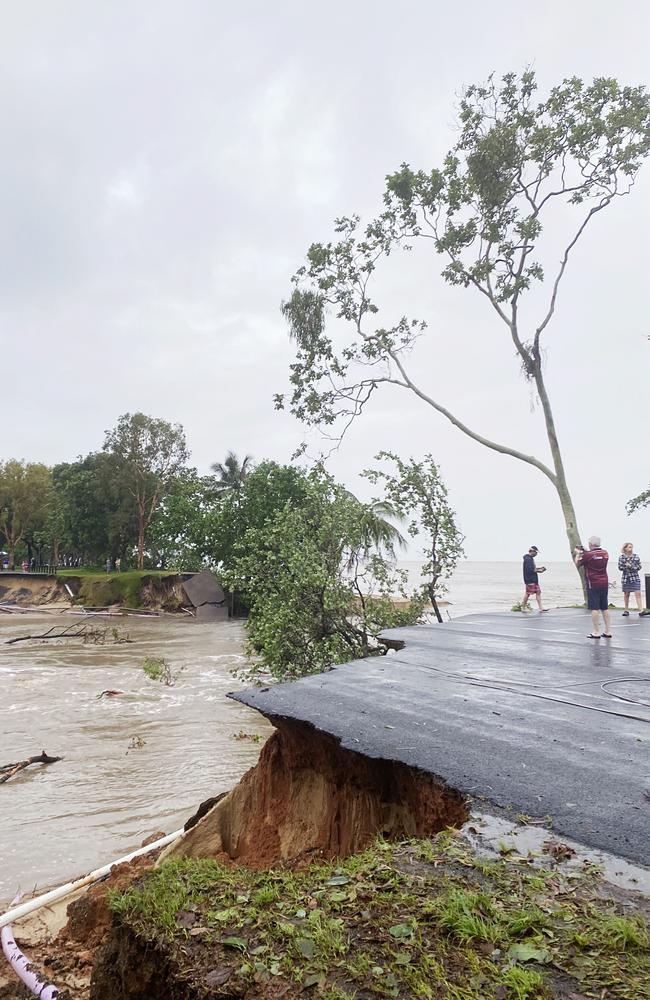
(597, 598)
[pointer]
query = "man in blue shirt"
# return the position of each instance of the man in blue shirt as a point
(531, 579)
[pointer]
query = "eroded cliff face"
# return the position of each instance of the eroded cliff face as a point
(309, 797)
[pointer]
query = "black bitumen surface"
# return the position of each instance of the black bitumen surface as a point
(523, 711)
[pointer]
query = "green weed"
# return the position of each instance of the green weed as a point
(423, 919)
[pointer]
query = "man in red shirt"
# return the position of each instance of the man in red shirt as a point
(595, 565)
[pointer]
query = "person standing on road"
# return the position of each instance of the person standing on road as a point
(595, 566)
(531, 579)
(630, 566)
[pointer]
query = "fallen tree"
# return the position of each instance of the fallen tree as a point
(9, 770)
(88, 633)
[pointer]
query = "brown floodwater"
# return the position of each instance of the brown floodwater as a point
(103, 799)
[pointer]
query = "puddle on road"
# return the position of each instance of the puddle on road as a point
(488, 834)
(103, 799)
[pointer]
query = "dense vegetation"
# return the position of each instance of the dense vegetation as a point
(312, 565)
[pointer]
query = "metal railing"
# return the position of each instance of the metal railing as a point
(45, 569)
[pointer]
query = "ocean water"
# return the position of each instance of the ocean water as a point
(496, 586)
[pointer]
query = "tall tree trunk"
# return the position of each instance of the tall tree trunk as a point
(561, 485)
(141, 529)
(141, 547)
(434, 602)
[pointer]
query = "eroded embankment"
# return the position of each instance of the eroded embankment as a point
(309, 797)
(306, 799)
(282, 887)
(32, 591)
(133, 589)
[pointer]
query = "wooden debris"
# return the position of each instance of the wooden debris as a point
(9, 770)
(88, 633)
(52, 633)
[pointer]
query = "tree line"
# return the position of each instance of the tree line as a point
(101, 506)
(313, 566)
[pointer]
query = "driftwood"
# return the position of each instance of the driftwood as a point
(51, 633)
(8, 770)
(86, 632)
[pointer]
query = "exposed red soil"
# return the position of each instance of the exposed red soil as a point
(308, 796)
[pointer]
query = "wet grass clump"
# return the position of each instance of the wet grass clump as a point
(420, 919)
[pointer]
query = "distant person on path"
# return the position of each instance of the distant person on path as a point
(630, 566)
(108, 565)
(118, 565)
(595, 566)
(531, 579)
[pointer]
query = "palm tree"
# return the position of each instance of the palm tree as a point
(232, 474)
(379, 532)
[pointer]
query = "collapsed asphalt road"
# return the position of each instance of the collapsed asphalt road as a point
(523, 711)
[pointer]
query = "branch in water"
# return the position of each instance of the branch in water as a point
(9, 770)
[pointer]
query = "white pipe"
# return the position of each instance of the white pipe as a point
(23, 967)
(50, 897)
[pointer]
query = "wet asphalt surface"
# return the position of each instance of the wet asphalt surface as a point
(509, 709)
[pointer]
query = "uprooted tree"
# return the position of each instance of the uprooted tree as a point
(318, 579)
(516, 162)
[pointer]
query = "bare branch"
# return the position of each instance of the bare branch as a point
(604, 202)
(495, 446)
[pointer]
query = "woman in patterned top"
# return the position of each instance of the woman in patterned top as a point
(629, 565)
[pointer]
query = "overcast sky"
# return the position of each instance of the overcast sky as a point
(164, 167)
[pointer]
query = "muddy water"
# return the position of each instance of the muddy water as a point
(103, 799)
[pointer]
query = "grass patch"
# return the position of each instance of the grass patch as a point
(96, 589)
(99, 571)
(420, 919)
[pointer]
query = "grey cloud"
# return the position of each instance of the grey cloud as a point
(164, 168)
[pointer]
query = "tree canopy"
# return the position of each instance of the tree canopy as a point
(513, 196)
(25, 497)
(152, 453)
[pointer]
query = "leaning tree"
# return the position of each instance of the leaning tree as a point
(517, 160)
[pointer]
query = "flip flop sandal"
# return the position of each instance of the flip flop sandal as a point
(592, 636)
(606, 635)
